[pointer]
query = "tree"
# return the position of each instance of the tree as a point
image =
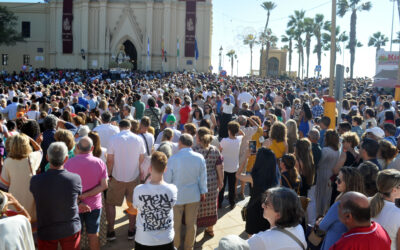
(288, 38)
(231, 54)
(267, 6)
(340, 38)
(250, 40)
(8, 33)
(269, 40)
(297, 23)
(352, 6)
(309, 31)
(377, 40)
(319, 26)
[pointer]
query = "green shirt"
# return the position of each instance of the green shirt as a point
(71, 154)
(139, 108)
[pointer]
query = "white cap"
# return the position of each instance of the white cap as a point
(377, 131)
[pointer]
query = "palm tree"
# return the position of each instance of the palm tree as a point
(309, 31)
(340, 38)
(269, 40)
(319, 26)
(250, 40)
(231, 54)
(267, 6)
(288, 38)
(377, 40)
(352, 6)
(296, 22)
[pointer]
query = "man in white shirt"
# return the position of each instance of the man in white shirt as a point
(11, 110)
(126, 152)
(243, 97)
(171, 123)
(106, 130)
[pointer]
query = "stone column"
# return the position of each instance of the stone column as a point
(166, 33)
(103, 51)
(149, 34)
(54, 36)
(84, 33)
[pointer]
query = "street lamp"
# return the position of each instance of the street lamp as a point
(220, 59)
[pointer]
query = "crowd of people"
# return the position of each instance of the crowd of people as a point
(77, 144)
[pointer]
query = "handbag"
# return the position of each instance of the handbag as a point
(316, 236)
(282, 230)
(303, 199)
(145, 166)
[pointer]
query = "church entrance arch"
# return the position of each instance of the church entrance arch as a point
(273, 67)
(130, 50)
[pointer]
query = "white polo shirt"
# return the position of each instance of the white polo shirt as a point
(126, 148)
(106, 131)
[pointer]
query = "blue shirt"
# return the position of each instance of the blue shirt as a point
(321, 140)
(391, 139)
(187, 171)
(332, 226)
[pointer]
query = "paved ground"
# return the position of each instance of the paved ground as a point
(229, 222)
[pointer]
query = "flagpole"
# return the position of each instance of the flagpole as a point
(177, 54)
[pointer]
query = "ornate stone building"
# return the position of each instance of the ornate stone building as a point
(276, 62)
(90, 34)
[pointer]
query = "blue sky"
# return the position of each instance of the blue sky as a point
(233, 18)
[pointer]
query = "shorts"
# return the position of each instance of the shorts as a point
(91, 220)
(169, 246)
(117, 190)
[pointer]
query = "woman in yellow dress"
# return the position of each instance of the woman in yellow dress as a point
(278, 140)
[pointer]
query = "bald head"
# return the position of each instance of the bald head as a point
(357, 205)
(85, 145)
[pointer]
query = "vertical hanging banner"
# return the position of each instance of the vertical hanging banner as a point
(190, 27)
(67, 18)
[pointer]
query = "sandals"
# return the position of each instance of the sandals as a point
(209, 232)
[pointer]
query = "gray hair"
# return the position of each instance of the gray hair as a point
(85, 144)
(186, 140)
(242, 120)
(83, 130)
(313, 134)
(50, 122)
(57, 153)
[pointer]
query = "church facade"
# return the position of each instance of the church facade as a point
(157, 35)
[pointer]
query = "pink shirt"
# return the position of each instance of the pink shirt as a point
(91, 170)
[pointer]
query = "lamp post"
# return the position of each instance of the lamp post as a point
(220, 59)
(333, 49)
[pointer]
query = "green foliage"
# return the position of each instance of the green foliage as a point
(8, 33)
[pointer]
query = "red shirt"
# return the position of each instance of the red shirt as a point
(364, 238)
(184, 113)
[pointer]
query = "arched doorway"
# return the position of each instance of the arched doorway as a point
(130, 51)
(273, 67)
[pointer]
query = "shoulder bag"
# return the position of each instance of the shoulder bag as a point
(146, 163)
(282, 230)
(303, 199)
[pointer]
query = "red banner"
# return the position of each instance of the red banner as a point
(190, 27)
(67, 18)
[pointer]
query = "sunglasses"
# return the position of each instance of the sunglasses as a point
(338, 180)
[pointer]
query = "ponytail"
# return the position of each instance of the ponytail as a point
(377, 204)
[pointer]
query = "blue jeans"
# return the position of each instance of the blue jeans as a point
(92, 221)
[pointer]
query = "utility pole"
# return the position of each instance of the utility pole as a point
(237, 67)
(333, 49)
(220, 60)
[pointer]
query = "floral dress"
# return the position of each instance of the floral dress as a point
(208, 215)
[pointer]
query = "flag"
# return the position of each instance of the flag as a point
(196, 50)
(148, 46)
(177, 47)
(165, 55)
(162, 49)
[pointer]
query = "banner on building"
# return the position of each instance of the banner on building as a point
(67, 39)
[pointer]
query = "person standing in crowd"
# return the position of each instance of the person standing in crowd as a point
(324, 124)
(282, 208)
(230, 148)
(290, 177)
(139, 107)
(293, 135)
(50, 125)
(93, 173)
(125, 154)
(349, 179)
(155, 199)
(383, 208)
(19, 167)
(369, 151)
(227, 111)
(106, 130)
(184, 114)
(355, 213)
(187, 171)
(208, 214)
(57, 208)
(278, 140)
(11, 110)
(264, 175)
(171, 124)
(329, 158)
(154, 114)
